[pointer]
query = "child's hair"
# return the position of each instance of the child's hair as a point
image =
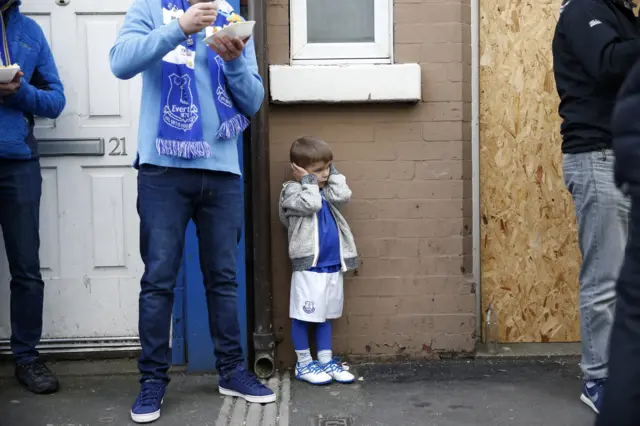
(308, 150)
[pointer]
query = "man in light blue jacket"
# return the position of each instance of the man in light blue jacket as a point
(196, 101)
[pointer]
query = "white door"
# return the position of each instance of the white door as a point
(89, 226)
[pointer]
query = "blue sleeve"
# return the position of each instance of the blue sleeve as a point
(244, 82)
(43, 96)
(140, 44)
(593, 32)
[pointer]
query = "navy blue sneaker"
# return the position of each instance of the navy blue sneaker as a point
(243, 384)
(592, 394)
(146, 409)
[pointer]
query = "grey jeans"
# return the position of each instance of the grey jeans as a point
(602, 212)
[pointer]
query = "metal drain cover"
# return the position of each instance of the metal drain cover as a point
(335, 421)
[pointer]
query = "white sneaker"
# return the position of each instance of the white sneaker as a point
(338, 372)
(312, 373)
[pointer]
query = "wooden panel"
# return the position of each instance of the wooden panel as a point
(530, 256)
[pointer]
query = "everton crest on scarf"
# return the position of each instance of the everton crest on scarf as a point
(180, 131)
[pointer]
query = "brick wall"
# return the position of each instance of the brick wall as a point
(409, 167)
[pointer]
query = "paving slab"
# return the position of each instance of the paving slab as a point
(452, 393)
(106, 400)
(483, 392)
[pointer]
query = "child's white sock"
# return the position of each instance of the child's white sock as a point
(304, 357)
(325, 357)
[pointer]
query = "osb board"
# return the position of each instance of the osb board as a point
(530, 256)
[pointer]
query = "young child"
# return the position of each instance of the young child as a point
(321, 248)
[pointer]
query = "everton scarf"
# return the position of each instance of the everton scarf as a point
(180, 131)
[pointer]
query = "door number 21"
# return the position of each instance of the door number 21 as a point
(118, 146)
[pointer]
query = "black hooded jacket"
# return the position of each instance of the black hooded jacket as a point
(595, 45)
(626, 134)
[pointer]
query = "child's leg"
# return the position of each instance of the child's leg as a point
(332, 367)
(323, 340)
(306, 370)
(300, 336)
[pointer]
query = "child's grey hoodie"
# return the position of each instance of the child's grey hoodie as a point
(299, 204)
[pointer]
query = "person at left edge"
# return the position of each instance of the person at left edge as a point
(195, 104)
(36, 90)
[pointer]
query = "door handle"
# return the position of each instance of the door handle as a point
(62, 2)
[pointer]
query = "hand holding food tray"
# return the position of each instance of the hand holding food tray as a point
(7, 74)
(236, 28)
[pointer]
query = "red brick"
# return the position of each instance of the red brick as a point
(438, 304)
(400, 324)
(364, 152)
(442, 33)
(401, 344)
(396, 267)
(288, 115)
(409, 209)
(407, 53)
(379, 305)
(373, 229)
(278, 14)
(375, 171)
(397, 132)
(407, 286)
(444, 111)
(278, 35)
(420, 151)
(408, 13)
(442, 53)
(410, 33)
(455, 245)
(429, 228)
(332, 134)
(443, 13)
(278, 54)
(443, 131)
(409, 167)
(444, 190)
(443, 92)
(443, 170)
(454, 342)
(443, 72)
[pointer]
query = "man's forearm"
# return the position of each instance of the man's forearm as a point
(47, 103)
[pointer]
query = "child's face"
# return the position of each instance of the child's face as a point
(321, 170)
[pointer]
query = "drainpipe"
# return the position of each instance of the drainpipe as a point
(263, 336)
(475, 160)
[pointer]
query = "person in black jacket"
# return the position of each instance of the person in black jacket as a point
(622, 401)
(594, 47)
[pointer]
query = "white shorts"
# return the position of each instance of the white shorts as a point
(315, 296)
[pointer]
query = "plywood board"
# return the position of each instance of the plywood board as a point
(530, 256)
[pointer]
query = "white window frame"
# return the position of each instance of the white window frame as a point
(378, 52)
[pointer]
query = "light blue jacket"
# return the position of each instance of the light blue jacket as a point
(142, 43)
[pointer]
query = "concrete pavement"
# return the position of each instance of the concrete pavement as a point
(444, 393)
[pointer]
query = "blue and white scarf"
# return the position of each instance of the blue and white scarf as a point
(180, 131)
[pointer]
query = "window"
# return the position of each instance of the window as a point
(341, 31)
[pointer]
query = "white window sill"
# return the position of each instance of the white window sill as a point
(345, 83)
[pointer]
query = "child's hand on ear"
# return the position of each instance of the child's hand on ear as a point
(298, 172)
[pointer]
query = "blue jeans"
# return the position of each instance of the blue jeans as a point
(167, 199)
(602, 212)
(20, 191)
